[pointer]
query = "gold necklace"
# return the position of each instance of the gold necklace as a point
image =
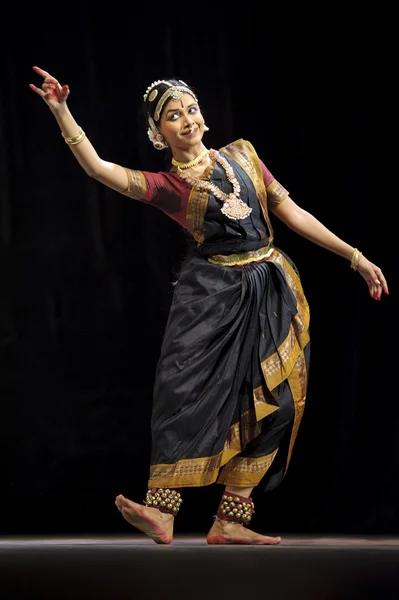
(191, 163)
(233, 206)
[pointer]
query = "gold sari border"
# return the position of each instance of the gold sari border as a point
(190, 472)
(298, 385)
(276, 193)
(197, 206)
(137, 185)
(194, 472)
(196, 209)
(245, 471)
(243, 258)
(245, 154)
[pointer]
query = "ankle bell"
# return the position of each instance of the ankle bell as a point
(236, 509)
(165, 500)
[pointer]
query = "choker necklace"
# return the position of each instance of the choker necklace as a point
(233, 206)
(191, 163)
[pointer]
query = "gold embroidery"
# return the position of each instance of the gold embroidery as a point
(232, 442)
(244, 258)
(244, 471)
(196, 209)
(245, 155)
(197, 471)
(137, 185)
(278, 367)
(298, 382)
(287, 363)
(204, 471)
(187, 472)
(265, 403)
(250, 427)
(275, 194)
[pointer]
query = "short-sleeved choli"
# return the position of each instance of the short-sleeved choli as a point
(176, 198)
(276, 193)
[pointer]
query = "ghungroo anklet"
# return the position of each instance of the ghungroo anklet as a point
(165, 500)
(235, 509)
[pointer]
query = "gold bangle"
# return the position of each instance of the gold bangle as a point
(76, 139)
(355, 259)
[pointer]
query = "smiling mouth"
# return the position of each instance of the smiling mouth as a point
(190, 131)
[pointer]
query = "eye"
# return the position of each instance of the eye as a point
(193, 110)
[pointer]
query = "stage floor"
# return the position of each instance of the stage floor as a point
(133, 566)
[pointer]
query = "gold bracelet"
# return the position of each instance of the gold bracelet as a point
(76, 139)
(355, 259)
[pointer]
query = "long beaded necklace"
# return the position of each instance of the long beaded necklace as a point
(233, 207)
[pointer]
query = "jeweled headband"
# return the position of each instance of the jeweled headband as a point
(173, 91)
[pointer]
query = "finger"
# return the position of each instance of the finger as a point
(48, 86)
(379, 273)
(64, 92)
(44, 74)
(383, 282)
(51, 80)
(37, 90)
(50, 96)
(380, 280)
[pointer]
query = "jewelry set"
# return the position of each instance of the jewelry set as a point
(233, 207)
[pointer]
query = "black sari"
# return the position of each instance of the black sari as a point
(231, 378)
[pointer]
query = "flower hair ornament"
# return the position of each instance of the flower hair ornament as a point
(172, 91)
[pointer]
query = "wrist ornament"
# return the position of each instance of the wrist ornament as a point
(355, 259)
(76, 139)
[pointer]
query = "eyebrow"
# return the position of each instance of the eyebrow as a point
(175, 109)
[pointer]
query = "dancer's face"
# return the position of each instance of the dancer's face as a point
(182, 123)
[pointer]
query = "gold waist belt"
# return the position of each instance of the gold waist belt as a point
(243, 258)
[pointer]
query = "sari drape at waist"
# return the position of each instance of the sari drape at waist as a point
(232, 368)
(232, 247)
(242, 258)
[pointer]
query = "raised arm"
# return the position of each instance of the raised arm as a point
(305, 224)
(55, 96)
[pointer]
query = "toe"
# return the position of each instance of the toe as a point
(274, 540)
(120, 501)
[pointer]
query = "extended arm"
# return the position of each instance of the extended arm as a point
(306, 225)
(55, 96)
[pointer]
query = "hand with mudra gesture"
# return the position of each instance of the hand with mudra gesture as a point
(51, 91)
(55, 96)
(372, 274)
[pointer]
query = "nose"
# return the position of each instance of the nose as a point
(188, 121)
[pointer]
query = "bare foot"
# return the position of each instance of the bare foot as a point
(151, 521)
(224, 532)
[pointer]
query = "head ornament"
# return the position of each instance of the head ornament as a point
(172, 91)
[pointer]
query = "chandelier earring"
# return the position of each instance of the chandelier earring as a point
(156, 138)
(160, 143)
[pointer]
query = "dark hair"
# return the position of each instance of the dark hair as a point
(161, 87)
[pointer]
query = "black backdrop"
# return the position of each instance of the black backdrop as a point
(86, 273)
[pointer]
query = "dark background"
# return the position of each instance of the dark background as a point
(87, 274)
